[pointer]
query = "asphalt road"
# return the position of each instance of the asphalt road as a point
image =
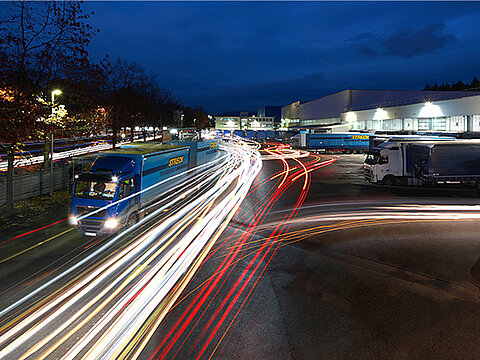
(390, 290)
(349, 271)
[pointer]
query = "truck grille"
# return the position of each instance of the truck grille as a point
(82, 210)
(368, 174)
(91, 225)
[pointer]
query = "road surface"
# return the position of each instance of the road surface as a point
(314, 264)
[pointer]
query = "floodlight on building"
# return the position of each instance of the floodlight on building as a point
(430, 110)
(380, 114)
(351, 117)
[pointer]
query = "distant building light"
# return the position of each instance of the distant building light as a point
(430, 110)
(380, 114)
(351, 117)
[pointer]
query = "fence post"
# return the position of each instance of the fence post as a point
(63, 179)
(41, 178)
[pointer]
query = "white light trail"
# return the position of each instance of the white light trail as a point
(102, 312)
(57, 156)
(26, 161)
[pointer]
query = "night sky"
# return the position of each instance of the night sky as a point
(230, 56)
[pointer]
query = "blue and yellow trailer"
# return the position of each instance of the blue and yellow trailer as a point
(147, 170)
(200, 151)
(339, 142)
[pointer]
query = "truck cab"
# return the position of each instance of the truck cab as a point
(384, 164)
(101, 191)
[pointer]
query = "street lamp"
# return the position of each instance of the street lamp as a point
(54, 92)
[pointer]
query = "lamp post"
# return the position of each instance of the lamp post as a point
(54, 92)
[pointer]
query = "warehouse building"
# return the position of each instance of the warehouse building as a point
(244, 121)
(454, 115)
(450, 111)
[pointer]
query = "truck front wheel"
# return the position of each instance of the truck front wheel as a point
(388, 180)
(132, 219)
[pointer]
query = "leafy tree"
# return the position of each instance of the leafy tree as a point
(40, 42)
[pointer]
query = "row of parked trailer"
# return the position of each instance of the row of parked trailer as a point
(398, 159)
(419, 159)
(423, 162)
(259, 135)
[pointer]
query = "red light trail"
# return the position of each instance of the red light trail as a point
(246, 283)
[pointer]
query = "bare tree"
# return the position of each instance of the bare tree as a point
(135, 98)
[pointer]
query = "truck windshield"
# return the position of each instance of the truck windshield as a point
(95, 190)
(371, 159)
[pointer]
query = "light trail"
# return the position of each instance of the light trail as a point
(111, 309)
(258, 253)
(25, 160)
(57, 156)
(250, 277)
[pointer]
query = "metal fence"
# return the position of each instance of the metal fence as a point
(36, 183)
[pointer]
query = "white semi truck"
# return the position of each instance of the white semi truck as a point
(423, 162)
(388, 164)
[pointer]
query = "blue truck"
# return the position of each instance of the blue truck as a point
(333, 142)
(200, 151)
(250, 134)
(135, 169)
(238, 133)
(285, 136)
(261, 135)
(271, 135)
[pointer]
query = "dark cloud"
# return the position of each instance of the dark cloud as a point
(226, 55)
(281, 92)
(404, 43)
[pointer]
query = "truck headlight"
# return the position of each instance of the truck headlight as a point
(73, 220)
(111, 223)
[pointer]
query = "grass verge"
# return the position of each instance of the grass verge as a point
(30, 210)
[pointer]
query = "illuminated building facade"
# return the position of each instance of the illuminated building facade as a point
(454, 115)
(394, 110)
(244, 122)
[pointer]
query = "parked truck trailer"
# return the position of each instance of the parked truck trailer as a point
(334, 142)
(423, 162)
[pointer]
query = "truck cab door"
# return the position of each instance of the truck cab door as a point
(126, 188)
(129, 189)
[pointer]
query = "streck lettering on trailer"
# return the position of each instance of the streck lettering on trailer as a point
(176, 161)
(213, 145)
(360, 137)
